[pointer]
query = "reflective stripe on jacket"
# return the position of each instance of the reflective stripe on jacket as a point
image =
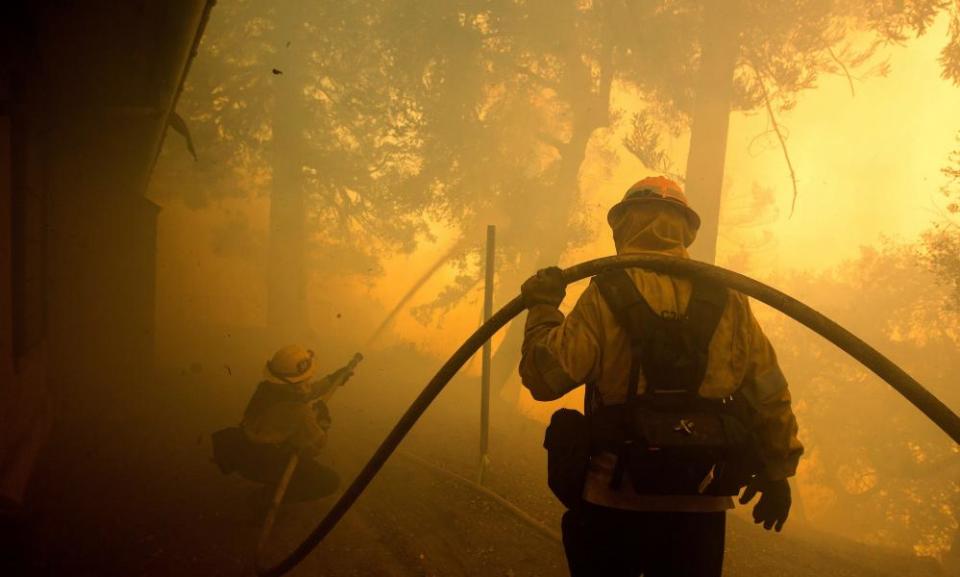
(588, 346)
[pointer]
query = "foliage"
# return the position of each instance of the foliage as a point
(512, 157)
(785, 47)
(478, 111)
(876, 469)
(942, 242)
(338, 74)
(950, 56)
(410, 114)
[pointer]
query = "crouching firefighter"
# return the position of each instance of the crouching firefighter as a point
(287, 414)
(684, 405)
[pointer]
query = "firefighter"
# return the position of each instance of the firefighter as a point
(685, 404)
(287, 414)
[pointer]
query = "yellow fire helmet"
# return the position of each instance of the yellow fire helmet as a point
(291, 365)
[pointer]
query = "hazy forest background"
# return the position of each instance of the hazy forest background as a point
(342, 153)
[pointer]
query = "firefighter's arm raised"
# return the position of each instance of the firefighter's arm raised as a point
(325, 387)
(559, 353)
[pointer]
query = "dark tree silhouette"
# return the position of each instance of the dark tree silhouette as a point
(702, 60)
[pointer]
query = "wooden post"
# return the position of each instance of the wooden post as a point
(485, 355)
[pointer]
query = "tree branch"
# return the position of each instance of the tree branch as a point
(843, 67)
(779, 133)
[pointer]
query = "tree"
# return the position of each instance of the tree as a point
(565, 54)
(386, 116)
(545, 72)
(695, 62)
(311, 102)
(702, 60)
(942, 242)
(875, 468)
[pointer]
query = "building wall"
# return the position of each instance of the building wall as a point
(24, 402)
(86, 89)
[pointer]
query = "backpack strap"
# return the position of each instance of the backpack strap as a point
(632, 312)
(636, 317)
(707, 303)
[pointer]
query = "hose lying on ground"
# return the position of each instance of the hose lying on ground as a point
(914, 392)
(275, 503)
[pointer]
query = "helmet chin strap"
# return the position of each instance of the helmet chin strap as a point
(921, 398)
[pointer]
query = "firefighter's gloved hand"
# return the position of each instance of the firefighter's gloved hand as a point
(547, 287)
(342, 375)
(774, 505)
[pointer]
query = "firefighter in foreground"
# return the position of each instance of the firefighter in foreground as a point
(287, 414)
(685, 404)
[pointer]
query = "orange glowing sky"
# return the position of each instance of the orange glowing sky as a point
(867, 165)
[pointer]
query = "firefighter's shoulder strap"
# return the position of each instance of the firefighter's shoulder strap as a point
(632, 313)
(707, 303)
(635, 315)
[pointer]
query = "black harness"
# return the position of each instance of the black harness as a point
(669, 438)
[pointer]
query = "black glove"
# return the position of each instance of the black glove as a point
(774, 505)
(547, 287)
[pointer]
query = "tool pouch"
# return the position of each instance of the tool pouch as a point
(693, 450)
(230, 448)
(567, 442)
(687, 452)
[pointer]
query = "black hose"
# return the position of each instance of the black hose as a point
(914, 392)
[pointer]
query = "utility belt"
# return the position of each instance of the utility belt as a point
(699, 447)
(691, 448)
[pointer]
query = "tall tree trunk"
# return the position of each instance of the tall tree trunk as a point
(594, 113)
(573, 153)
(711, 117)
(286, 269)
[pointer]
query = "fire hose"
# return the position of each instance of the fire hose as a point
(869, 357)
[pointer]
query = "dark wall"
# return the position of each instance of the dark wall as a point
(86, 89)
(113, 70)
(24, 403)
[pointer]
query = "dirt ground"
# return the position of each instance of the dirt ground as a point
(149, 502)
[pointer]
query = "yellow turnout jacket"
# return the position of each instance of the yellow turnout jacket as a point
(589, 346)
(283, 416)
